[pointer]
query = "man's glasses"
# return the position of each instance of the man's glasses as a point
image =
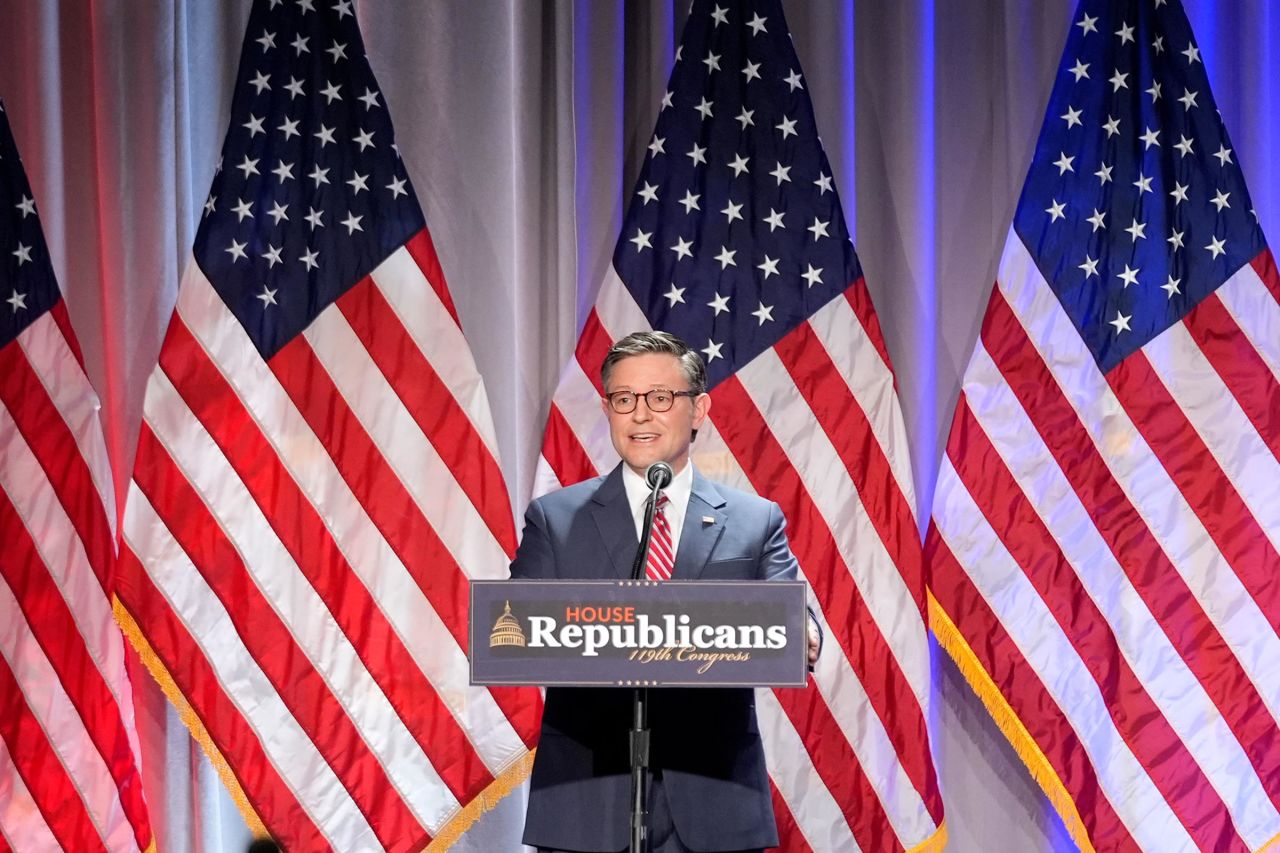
(657, 400)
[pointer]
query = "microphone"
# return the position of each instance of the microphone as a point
(658, 475)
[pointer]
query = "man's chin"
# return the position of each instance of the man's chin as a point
(640, 462)
(639, 466)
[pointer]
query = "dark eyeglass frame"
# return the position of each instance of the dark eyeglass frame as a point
(613, 395)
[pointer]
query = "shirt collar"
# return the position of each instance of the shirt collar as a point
(677, 492)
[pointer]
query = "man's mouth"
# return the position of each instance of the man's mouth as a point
(644, 437)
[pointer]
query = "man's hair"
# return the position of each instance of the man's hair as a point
(662, 343)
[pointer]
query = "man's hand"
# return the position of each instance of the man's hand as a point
(815, 640)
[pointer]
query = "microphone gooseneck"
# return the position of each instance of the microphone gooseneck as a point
(657, 476)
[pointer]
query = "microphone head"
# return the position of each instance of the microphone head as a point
(658, 475)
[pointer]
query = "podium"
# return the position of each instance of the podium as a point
(638, 633)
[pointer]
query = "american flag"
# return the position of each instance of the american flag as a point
(735, 241)
(316, 479)
(69, 753)
(1105, 548)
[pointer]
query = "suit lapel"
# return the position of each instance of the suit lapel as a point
(613, 519)
(704, 523)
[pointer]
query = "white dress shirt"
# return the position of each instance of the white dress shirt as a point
(678, 492)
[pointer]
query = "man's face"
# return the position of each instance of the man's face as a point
(643, 436)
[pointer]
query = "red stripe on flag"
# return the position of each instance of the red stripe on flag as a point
(790, 838)
(423, 251)
(1140, 722)
(859, 299)
(55, 448)
(1026, 695)
(766, 465)
(185, 662)
(1126, 534)
(1241, 368)
(392, 509)
(846, 425)
(563, 451)
(52, 789)
(429, 401)
(592, 348)
(63, 319)
(308, 540)
(55, 630)
(1265, 266)
(271, 644)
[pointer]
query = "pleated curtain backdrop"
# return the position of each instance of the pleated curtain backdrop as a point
(523, 126)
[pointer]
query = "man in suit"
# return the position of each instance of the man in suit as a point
(709, 790)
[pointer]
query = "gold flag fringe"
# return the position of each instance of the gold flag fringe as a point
(1006, 718)
(505, 782)
(188, 716)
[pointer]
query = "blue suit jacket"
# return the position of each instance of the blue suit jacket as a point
(705, 741)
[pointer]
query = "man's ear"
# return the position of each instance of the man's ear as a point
(701, 408)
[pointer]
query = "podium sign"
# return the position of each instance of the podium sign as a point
(638, 633)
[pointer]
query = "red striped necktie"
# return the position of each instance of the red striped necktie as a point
(661, 558)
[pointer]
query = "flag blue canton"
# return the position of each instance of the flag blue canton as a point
(1135, 208)
(310, 195)
(735, 234)
(27, 285)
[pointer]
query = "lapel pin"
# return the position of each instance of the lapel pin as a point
(708, 519)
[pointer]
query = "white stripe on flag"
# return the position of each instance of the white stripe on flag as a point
(1175, 690)
(1038, 636)
(63, 728)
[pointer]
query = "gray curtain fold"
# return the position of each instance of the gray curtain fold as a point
(523, 126)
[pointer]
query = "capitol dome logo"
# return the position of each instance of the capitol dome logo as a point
(506, 631)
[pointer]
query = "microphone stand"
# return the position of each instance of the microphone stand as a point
(640, 706)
